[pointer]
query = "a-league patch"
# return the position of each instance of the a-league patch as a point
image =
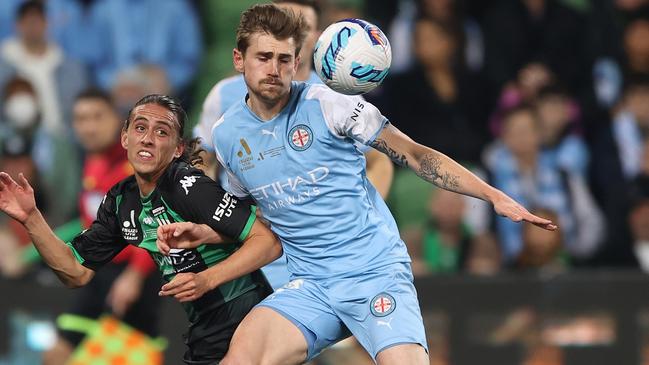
(382, 305)
(300, 137)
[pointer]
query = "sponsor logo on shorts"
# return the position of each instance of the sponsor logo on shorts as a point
(382, 305)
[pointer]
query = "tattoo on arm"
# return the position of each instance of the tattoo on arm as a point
(430, 170)
(396, 157)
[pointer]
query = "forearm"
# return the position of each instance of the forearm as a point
(444, 172)
(55, 253)
(257, 251)
(431, 165)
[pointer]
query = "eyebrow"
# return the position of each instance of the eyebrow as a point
(270, 54)
(165, 122)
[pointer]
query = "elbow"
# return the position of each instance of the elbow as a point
(77, 281)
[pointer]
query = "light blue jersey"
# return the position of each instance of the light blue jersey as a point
(350, 271)
(306, 174)
(224, 94)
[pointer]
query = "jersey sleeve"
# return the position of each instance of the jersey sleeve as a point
(211, 112)
(232, 185)
(101, 242)
(348, 116)
(201, 200)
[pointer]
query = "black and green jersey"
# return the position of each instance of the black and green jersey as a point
(182, 194)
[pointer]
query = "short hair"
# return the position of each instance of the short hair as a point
(30, 6)
(94, 93)
(273, 20)
(308, 3)
(191, 154)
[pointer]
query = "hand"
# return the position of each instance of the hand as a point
(17, 200)
(125, 291)
(187, 287)
(185, 235)
(508, 207)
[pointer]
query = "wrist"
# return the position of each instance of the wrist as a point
(32, 218)
(491, 194)
(210, 277)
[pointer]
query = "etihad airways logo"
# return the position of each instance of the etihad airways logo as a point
(281, 193)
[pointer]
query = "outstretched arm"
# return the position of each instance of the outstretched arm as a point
(439, 169)
(17, 201)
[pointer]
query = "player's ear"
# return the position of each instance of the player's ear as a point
(179, 150)
(124, 139)
(296, 65)
(237, 60)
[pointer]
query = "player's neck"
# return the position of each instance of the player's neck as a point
(266, 109)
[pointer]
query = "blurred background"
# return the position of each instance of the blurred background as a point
(548, 100)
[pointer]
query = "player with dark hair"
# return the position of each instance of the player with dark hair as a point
(217, 284)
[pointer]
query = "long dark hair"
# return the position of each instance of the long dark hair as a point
(192, 151)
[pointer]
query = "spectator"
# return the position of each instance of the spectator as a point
(447, 12)
(541, 250)
(558, 117)
(519, 168)
(438, 102)
(617, 146)
(22, 126)
(161, 35)
(519, 32)
(56, 79)
(73, 25)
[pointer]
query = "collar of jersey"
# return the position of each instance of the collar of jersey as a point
(278, 115)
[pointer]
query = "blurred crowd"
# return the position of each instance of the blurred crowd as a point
(548, 100)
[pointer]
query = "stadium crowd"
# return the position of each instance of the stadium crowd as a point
(548, 100)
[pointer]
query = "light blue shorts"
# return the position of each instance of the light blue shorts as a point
(380, 308)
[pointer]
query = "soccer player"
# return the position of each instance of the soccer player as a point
(350, 271)
(217, 284)
(126, 284)
(232, 90)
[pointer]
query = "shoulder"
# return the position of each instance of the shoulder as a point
(325, 95)
(222, 87)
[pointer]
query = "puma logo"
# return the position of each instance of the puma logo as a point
(384, 323)
(267, 132)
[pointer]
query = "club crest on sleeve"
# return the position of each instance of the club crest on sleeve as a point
(300, 137)
(382, 305)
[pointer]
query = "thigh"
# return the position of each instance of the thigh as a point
(410, 353)
(290, 326)
(208, 339)
(381, 309)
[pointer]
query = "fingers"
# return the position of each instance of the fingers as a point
(23, 182)
(162, 240)
(541, 222)
(179, 284)
(181, 227)
(7, 180)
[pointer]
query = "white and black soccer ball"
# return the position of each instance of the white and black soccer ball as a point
(352, 56)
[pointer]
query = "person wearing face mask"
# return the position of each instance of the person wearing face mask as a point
(54, 157)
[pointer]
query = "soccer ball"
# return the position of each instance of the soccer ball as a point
(352, 56)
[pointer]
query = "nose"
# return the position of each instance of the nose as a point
(147, 138)
(274, 67)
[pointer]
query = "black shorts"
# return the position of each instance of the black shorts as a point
(209, 338)
(90, 302)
